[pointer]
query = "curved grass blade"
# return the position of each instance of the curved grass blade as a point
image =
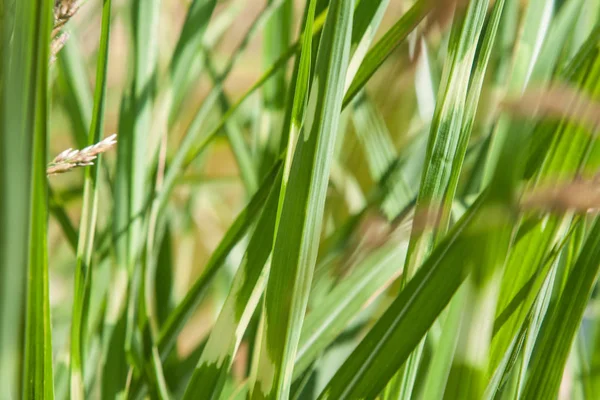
(402, 327)
(210, 374)
(240, 149)
(298, 228)
(467, 377)
(87, 227)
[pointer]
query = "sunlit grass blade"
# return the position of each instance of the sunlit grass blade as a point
(276, 40)
(339, 307)
(246, 290)
(560, 327)
(448, 138)
(186, 50)
(298, 229)
(146, 29)
(248, 285)
(384, 46)
(184, 310)
(535, 26)
(400, 330)
(567, 153)
(372, 61)
(237, 142)
(395, 335)
(367, 17)
(452, 330)
(435, 382)
(241, 150)
(87, 226)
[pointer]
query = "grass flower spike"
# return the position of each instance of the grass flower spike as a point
(70, 158)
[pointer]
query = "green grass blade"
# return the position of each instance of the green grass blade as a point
(384, 47)
(145, 24)
(525, 270)
(210, 374)
(245, 219)
(276, 41)
(367, 17)
(298, 230)
(380, 153)
(449, 135)
(38, 379)
(435, 382)
(560, 327)
(184, 310)
(246, 290)
(73, 81)
(87, 227)
(374, 58)
(189, 42)
(445, 152)
(300, 100)
(237, 142)
(535, 26)
(192, 144)
(57, 210)
(25, 336)
(145, 15)
(440, 367)
(395, 335)
(333, 313)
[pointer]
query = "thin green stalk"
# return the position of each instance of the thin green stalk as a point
(85, 242)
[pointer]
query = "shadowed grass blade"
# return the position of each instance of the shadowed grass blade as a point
(25, 334)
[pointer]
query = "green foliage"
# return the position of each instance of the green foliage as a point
(329, 228)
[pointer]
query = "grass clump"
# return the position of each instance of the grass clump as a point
(391, 199)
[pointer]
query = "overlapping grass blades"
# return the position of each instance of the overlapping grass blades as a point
(294, 250)
(433, 254)
(26, 338)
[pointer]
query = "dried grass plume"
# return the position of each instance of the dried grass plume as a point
(63, 11)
